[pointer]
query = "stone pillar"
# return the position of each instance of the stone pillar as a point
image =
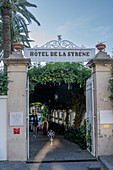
(60, 121)
(51, 116)
(64, 117)
(103, 111)
(52, 113)
(55, 116)
(58, 114)
(71, 117)
(16, 136)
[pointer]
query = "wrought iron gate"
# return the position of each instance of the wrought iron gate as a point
(27, 116)
(90, 111)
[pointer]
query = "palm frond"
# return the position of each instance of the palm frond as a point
(26, 3)
(19, 20)
(28, 15)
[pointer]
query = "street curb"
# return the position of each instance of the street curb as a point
(105, 163)
(55, 161)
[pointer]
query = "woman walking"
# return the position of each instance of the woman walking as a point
(35, 126)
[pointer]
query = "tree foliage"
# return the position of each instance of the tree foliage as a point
(67, 80)
(59, 73)
(19, 6)
(19, 20)
(3, 84)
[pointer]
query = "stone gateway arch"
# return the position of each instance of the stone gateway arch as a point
(99, 106)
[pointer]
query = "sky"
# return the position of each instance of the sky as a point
(83, 22)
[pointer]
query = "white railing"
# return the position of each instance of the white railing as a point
(1, 67)
(1, 62)
(1, 55)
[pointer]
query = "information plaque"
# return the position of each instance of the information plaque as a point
(106, 117)
(16, 119)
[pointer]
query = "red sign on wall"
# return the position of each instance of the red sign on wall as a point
(16, 130)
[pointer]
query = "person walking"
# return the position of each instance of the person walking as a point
(35, 124)
(45, 126)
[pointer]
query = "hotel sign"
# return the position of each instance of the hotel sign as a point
(59, 55)
(59, 51)
(62, 53)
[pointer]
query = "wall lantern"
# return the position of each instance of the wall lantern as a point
(56, 96)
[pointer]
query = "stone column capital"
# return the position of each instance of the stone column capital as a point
(16, 58)
(100, 58)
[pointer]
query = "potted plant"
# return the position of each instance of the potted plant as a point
(16, 44)
(100, 46)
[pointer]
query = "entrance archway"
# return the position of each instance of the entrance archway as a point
(101, 68)
(61, 51)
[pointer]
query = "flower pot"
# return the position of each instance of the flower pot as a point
(100, 47)
(17, 46)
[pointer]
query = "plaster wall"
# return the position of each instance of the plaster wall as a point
(3, 128)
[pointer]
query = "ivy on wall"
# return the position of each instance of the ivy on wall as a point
(3, 84)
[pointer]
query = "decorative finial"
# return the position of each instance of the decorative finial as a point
(100, 47)
(17, 46)
(59, 37)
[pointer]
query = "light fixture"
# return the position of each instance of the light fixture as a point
(56, 96)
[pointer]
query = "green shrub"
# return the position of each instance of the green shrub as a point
(89, 138)
(80, 136)
(58, 128)
(77, 136)
(42, 118)
(3, 84)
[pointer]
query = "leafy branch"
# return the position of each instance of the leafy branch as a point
(59, 73)
(111, 85)
(3, 84)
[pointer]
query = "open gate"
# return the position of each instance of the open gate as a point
(90, 111)
(27, 116)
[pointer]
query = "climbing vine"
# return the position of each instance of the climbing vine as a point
(89, 138)
(3, 84)
(111, 85)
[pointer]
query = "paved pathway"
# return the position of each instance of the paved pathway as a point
(49, 166)
(41, 150)
(71, 155)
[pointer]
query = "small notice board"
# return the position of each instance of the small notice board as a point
(16, 119)
(106, 117)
